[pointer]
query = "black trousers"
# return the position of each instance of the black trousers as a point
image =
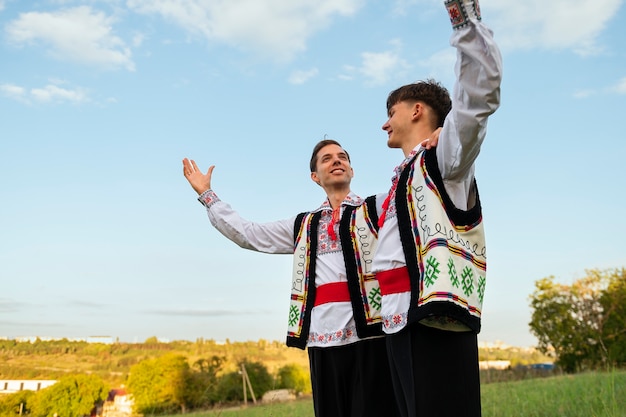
(352, 380)
(435, 372)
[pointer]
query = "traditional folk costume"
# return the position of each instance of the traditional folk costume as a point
(335, 298)
(431, 258)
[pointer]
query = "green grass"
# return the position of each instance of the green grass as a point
(594, 394)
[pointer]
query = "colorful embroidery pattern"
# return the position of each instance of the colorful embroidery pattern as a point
(375, 298)
(432, 271)
(467, 278)
(208, 198)
(482, 283)
(393, 321)
(451, 257)
(454, 277)
(294, 315)
(342, 335)
(325, 243)
(456, 13)
(460, 12)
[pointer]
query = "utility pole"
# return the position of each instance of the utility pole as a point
(246, 381)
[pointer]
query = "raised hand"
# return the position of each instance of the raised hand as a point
(199, 182)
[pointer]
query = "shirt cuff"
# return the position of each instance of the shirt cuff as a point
(462, 11)
(208, 198)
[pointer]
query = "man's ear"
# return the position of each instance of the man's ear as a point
(315, 178)
(418, 111)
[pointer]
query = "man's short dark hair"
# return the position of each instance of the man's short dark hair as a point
(320, 145)
(431, 92)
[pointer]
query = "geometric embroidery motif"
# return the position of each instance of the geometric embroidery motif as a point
(432, 271)
(482, 282)
(375, 298)
(294, 315)
(468, 281)
(459, 13)
(454, 276)
(456, 13)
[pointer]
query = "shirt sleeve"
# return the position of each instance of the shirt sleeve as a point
(475, 97)
(271, 237)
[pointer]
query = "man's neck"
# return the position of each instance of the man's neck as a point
(417, 136)
(336, 197)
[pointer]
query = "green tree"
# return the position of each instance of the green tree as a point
(571, 319)
(260, 378)
(613, 302)
(202, 385)
(152, 340)
(15, 404)
(230, 387)
(158, 385)
(71, 396)
(294, 377)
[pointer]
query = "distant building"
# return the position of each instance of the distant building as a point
(499, 365)
(118, 404)
(11, 386)
(107, 340)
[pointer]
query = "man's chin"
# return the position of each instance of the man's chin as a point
(392, 145)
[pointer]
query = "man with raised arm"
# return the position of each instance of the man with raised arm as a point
(431, 260)
(335, 300)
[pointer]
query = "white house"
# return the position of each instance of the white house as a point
(10, 386)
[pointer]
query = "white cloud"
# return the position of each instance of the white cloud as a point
(620, 88)
(53, 93)
(78, 34)
(300, 77)
(138, 39)
(13, 91)
(275, 28)
(557, 24)
(50, 93)
(581, 94)
(617, 88)
(378, 67)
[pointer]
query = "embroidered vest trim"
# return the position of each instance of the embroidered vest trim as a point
(358, 233)
(444, 248)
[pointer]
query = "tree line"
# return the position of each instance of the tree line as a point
(161, 385)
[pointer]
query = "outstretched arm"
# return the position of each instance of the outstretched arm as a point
(271, 237)
(476, 93)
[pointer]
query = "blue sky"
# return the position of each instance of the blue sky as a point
(100, 100)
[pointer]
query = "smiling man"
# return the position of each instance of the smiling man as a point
(335, 300)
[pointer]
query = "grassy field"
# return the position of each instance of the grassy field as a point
(601, 394)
